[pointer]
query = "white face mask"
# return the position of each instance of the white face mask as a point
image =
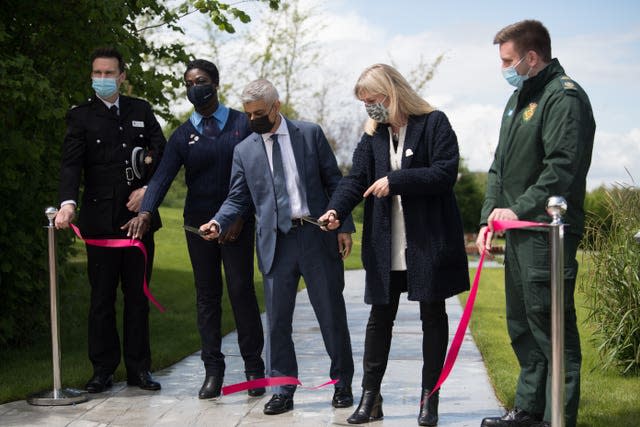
(512, 77)
(377, 111)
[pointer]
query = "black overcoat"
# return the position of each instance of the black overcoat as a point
(437, 265)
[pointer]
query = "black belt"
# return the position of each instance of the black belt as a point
(110, 174)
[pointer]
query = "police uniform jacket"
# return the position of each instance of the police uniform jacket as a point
(544, 150)
(98, 145)
(436, 260)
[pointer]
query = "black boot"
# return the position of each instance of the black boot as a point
(429, 408)
(369, 409)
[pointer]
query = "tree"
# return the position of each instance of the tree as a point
(290, 50)
(44, 50)
(281, 49)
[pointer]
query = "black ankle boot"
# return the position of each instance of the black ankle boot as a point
(369, 409)
(429, 408)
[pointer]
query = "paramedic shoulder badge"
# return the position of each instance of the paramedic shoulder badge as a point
(528, 112)
(567, 83)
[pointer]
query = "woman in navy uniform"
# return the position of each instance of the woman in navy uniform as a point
(101, 137)
(204, 145)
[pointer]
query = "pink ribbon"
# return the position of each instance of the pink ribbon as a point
(270, 382)
(124, 243)
(456, 343)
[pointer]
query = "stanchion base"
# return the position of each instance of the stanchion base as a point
(60, 397)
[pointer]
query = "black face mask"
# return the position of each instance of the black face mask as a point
(201, 95)
(261, 124)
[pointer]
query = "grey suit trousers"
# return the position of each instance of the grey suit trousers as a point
(313, 254)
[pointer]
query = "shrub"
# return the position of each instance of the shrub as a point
(470, 197)
(612, 284)
(596, 212)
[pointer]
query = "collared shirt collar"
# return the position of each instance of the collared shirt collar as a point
(221, 115)
(283, 129)
(109, 104)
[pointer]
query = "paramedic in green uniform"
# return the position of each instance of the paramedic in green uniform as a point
(544, 150)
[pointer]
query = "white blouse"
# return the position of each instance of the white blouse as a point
(398, 230)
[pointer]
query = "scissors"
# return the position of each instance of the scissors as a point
(321, 224)
(195, 230)
(314, 221)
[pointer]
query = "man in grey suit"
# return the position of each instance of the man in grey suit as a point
(287, 169)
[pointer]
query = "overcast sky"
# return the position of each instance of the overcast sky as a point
(597, 42)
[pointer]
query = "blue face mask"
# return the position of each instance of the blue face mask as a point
(512, 77)
(104, 87)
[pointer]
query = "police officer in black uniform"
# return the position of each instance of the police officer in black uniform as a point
(114, 141)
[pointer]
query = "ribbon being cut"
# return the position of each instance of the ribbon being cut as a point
(452, 354)
(124, 243)
(233, 388)
(456, 343)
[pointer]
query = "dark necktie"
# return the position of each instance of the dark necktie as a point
(280, 186)
(210, 127)
(114, 110)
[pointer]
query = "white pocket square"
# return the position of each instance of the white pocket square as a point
(408, 153)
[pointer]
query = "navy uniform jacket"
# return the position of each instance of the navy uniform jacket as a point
(98, 144)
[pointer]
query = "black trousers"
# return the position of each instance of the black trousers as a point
(108, 267)
(377, 343)
(237, 257)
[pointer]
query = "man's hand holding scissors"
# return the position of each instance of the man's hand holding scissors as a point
(210, 230)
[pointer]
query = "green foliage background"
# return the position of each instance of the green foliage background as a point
(470, 196)
(44, 69)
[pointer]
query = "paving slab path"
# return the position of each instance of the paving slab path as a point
(465, 398)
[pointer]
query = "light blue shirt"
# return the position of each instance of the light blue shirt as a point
(221, 115)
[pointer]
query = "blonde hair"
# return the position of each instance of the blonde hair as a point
(383, 79)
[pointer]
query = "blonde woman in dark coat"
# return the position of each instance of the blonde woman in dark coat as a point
(405, 167)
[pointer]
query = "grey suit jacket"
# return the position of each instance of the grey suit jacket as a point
(251, 180)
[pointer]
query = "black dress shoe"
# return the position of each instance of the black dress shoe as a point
(514, 418)
(210, 387)
(342, 397)
(369, 409)
(279, 404)
(99, 383)
(144, 380)
(255, 392)
(429, 408)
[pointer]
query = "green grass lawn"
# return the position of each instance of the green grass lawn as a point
(174, 334)
(607, 398)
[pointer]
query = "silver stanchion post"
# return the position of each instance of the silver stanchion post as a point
(58, 396)
(556, 207)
